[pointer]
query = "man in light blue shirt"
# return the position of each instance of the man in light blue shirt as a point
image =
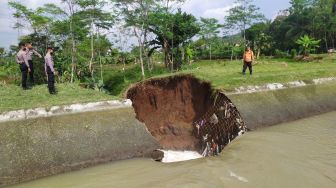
(30, 52)
(22, 61)
(49, 70)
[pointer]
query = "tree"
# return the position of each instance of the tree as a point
(37, 22)
(209, 28)
(298, 6)
(92, 12)
(260, 37)
(135, 13)
(190, 54)
(2, 52)
(171, 31)
(308, 44)
(243, 15)
(71, 11)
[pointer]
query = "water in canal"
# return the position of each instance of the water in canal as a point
(296, 154)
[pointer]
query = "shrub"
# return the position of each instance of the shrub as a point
(293, 53)
(280, 54)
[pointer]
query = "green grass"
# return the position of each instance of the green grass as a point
(13, 97)
(226, 75)
(223, 75)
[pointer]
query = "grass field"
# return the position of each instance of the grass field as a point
(13, 97)
(224, 75)
(227, 75)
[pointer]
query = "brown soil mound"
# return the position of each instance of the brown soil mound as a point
(181, 111)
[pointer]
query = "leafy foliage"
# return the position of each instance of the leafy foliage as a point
(308, 44)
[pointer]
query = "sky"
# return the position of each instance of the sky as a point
(200, 8)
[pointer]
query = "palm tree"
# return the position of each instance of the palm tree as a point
(308, 44)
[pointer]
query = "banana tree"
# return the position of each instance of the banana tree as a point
(308, 44)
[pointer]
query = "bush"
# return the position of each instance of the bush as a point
(293, 53)
(117, 81)
(280, 54)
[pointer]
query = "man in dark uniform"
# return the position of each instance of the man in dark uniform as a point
(49, 70)
(30, 52)
(21, 59)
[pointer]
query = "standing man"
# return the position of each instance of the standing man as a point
(49, 70)
(30, 52)
(248, 59)
(21, 59)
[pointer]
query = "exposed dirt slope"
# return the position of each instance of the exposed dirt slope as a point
(180, 111)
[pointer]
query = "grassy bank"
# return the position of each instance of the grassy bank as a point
(225, 75)
(13, 97)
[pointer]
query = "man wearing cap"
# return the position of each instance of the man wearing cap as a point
(31, 51)
(21, 59)
(49, 70)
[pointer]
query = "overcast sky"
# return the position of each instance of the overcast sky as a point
(200, 8)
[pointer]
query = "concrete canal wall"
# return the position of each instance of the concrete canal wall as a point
(39, 147)
(268, 108)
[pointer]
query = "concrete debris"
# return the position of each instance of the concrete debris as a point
(221, 124)
(323, 80)
(178, 156)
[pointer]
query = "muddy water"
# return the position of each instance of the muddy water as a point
(297, 154)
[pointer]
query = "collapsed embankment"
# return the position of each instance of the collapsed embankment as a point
(184, 113)
(177, 111)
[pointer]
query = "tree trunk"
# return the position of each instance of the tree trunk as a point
(142, 65)
(258, 53)
(166, 53)
(326, 41)
(332, 40)
(172, 56)
(244, 33)
(72, 53)
(92, 49)
(210, 53)
(183, 54)
(100, 59)
(146, 51)
(141, 47)
(71, 9)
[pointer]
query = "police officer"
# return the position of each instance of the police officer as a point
(21, 59)
(31, 51)
(49, 70)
